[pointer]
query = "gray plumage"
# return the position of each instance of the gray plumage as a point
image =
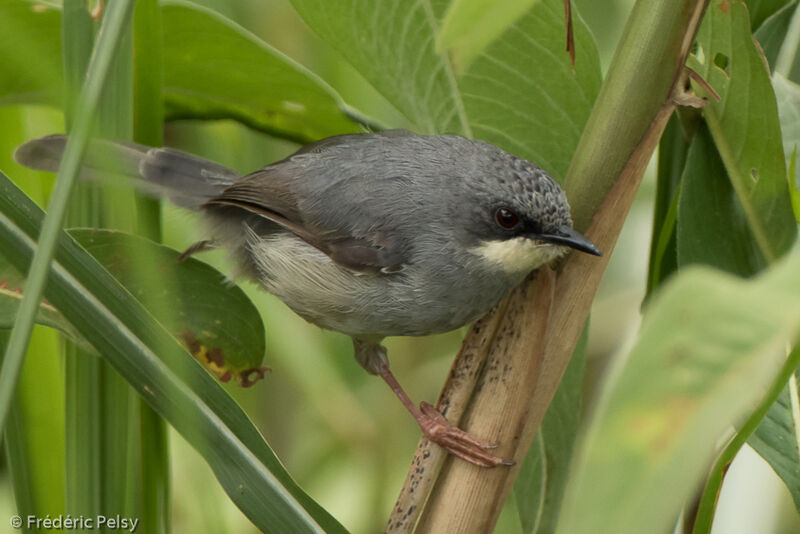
(371, 235)
(186, 180)
(367, 234)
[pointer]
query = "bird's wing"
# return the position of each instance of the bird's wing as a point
(363, 245)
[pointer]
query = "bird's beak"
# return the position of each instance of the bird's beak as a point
(569, 237)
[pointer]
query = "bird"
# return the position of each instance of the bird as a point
(372, 235)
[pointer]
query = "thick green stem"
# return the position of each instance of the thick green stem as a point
(623, 130)
(647, 62)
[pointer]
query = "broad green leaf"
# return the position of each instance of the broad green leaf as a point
(672, 150)
(709, 346)
(542, 478)
(188, 300)
(771, 33)
(470, 25)
(744, 124)
(213, 69)
(521, 93)
(761, 10)
(173, 383)
(184, 296)
(777, 438)
(711, 228)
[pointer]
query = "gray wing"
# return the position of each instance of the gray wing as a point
(333, 195)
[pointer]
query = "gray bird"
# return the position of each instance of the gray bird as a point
(371, 235)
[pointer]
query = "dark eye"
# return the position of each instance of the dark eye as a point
(506, 218)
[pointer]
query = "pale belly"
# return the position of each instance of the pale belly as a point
(409, 303)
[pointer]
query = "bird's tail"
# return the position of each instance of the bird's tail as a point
(186, 180)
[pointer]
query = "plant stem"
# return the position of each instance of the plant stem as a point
(708, 501)
(628, 118)
(148, 127)
(105, 49)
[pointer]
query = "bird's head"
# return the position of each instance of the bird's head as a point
(522, 220)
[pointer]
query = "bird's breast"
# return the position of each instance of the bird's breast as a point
(425, 298)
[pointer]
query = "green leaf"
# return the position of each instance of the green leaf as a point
(794, 191)
(34, 433)
(761, 10)
(213, 69)
(744, 124)
(470, 25)
(172, 382)
(521, 94)
(539, 488)
(46, 316)
(772, 32)
(777, 438)
(711, 228)
(787, 94)
(188, 301)
(709, 346)
(184, 296)
(30, 52)
(672, 151)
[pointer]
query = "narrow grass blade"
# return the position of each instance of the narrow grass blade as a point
(171, 381)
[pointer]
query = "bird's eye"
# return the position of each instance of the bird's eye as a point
(506, 218)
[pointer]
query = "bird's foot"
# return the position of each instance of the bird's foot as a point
(454, 440)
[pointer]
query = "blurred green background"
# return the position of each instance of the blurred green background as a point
(340, 432)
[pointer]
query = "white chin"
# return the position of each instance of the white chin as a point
(520, 254)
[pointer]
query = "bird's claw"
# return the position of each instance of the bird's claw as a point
(439, 430)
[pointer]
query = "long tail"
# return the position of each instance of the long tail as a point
(186, 180)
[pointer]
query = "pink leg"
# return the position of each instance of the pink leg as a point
(440, 431)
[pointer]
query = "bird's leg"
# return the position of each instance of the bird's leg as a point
(200, 246)
(435, 427)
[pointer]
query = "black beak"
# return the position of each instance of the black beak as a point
(569, 237)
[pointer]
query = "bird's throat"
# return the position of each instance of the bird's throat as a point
(519, 254)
